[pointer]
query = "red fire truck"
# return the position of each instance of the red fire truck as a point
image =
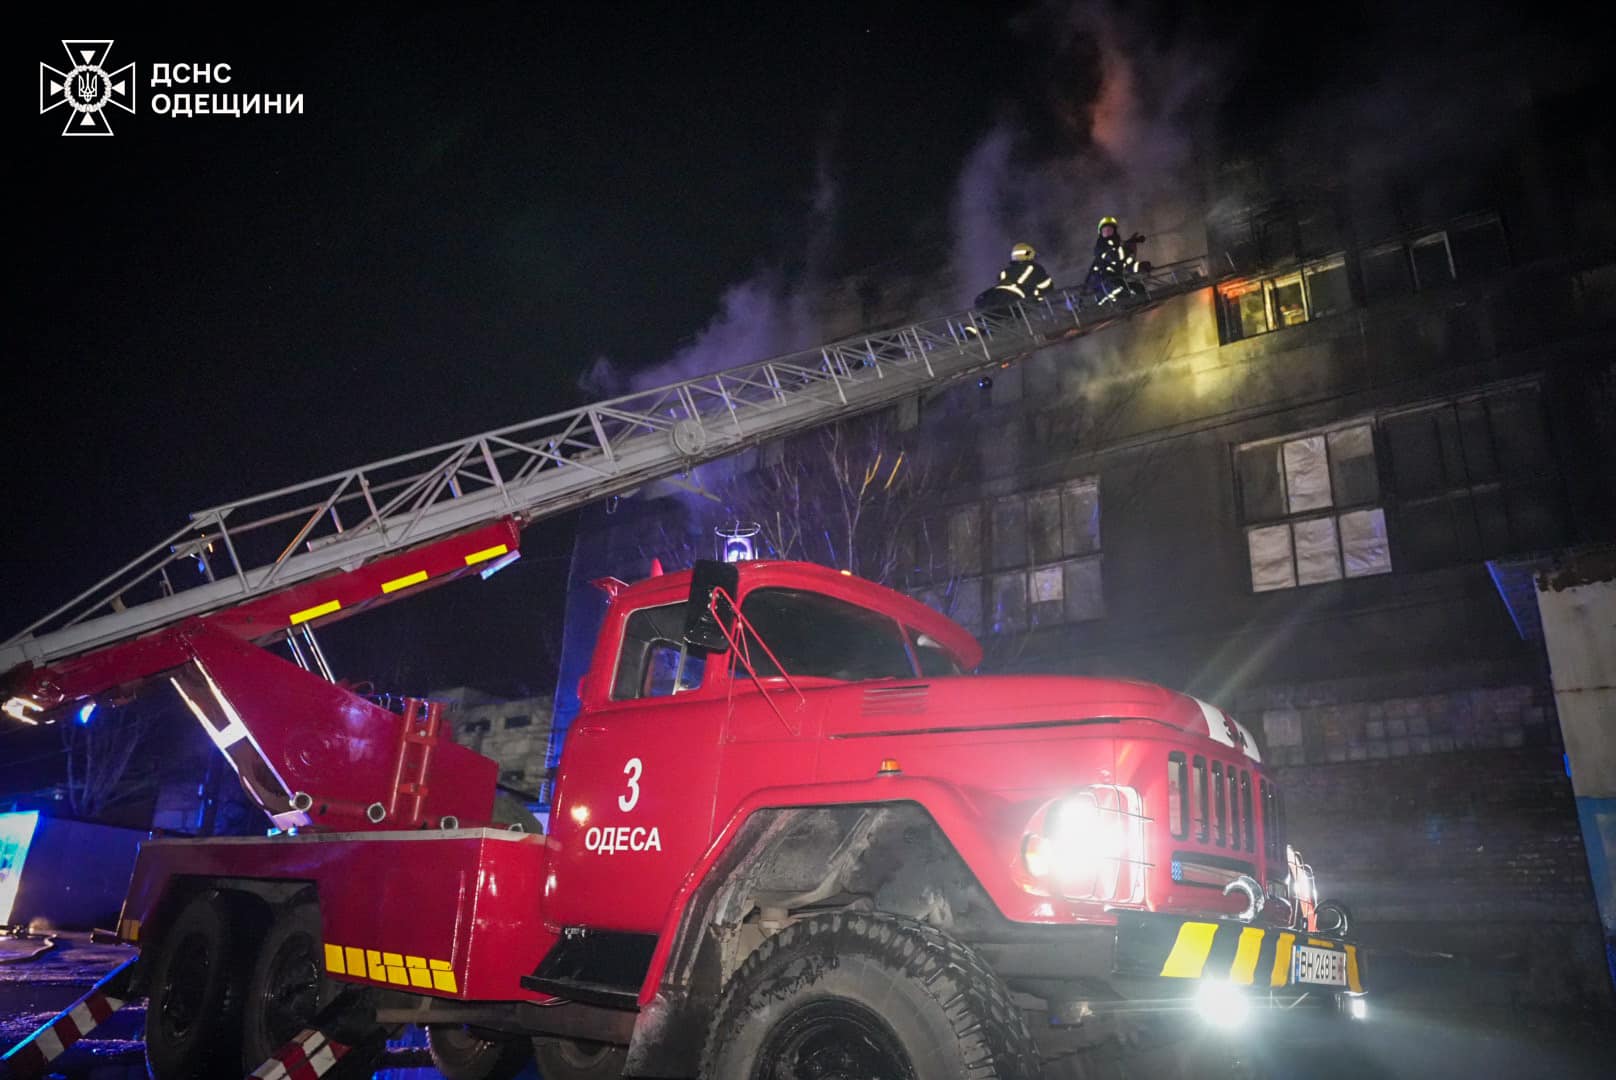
(793, 836)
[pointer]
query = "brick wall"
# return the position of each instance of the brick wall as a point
(1473, 852)
(1314, 727)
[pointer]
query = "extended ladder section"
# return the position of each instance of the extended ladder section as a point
(240, 555)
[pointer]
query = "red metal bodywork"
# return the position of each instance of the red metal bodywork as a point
(267, 617)
(668, 782)
(467, 899)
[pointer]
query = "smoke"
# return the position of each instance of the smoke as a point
(775, 310)
(1130, 108)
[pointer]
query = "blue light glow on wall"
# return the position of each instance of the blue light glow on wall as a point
(16, 833)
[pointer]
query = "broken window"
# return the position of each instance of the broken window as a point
(1306, 500)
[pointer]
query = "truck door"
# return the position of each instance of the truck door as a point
(635, 805)
(824, 644)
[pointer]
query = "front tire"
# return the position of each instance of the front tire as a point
(856, 994)
(193, 1016)
(461, 1054)
(569, 1059)
(287, 987)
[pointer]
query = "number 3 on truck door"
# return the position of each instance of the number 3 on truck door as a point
(631, 770)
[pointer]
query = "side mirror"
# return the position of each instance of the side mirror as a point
(702, 631)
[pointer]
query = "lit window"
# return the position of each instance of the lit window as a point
(1258, 305)
(1309, 502)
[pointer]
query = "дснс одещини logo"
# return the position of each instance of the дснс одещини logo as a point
(87, 88)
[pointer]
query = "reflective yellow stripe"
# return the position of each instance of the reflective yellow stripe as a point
(1022, 280)
(1245, 957)
(485, 554)
(356, 960)
(333, 960)
(443, 976)
(1282, 960)
(404, 582)
(1354, 981)
(1321, 943)
(315, 612)
(1189, 953)
(419, 975)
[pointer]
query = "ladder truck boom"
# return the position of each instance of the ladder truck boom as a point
(271, 564)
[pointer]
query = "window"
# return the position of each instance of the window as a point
(1044, 549)
(1052, 540)
(1259, 305)
(1478, 245)
(1385, 272)
(474, 727)
(1470, 247)
(654, 661)
(518, 721)
(1475, 478)
(815, 635)
(1433, 262)
(930, 655)
(1310, 506)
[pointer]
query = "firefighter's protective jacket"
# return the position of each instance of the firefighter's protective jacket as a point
(1024, 280)
(1112, 255)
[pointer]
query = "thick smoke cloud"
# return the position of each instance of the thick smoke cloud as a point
(1130, 108)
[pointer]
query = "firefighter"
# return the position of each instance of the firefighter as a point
(1114, 260)
(1023, 279)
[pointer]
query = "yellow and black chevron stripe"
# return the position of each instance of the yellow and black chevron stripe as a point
(1175, 948)
(397, 969)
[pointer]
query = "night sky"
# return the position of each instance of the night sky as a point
(477, 203)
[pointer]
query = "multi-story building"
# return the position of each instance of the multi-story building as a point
(1289, 494)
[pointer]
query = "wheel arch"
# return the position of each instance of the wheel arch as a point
(893, 850)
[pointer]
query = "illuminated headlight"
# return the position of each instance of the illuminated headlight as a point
(1358, 1008)
(1074, 844)
(1085, 846)
(1221, 1004)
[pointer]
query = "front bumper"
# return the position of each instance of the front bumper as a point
(1243, 954)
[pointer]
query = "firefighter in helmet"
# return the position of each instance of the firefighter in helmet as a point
(1023, 279)
(1114, 259)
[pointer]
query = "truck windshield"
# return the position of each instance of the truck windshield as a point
(816, 635)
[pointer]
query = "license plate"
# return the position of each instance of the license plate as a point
(1327, 967)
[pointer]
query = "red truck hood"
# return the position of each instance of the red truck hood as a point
(1006, 701)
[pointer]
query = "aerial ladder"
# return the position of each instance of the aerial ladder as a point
(272, 567)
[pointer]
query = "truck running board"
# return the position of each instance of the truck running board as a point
(595, 967)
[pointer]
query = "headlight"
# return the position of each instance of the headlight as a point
(1089, 845)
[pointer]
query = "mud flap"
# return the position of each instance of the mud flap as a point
(344, 1042)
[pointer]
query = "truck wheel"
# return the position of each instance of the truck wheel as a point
(569, 1059)
(856, 994)
(461, 1054)
(193, 1026)
(287, 986)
